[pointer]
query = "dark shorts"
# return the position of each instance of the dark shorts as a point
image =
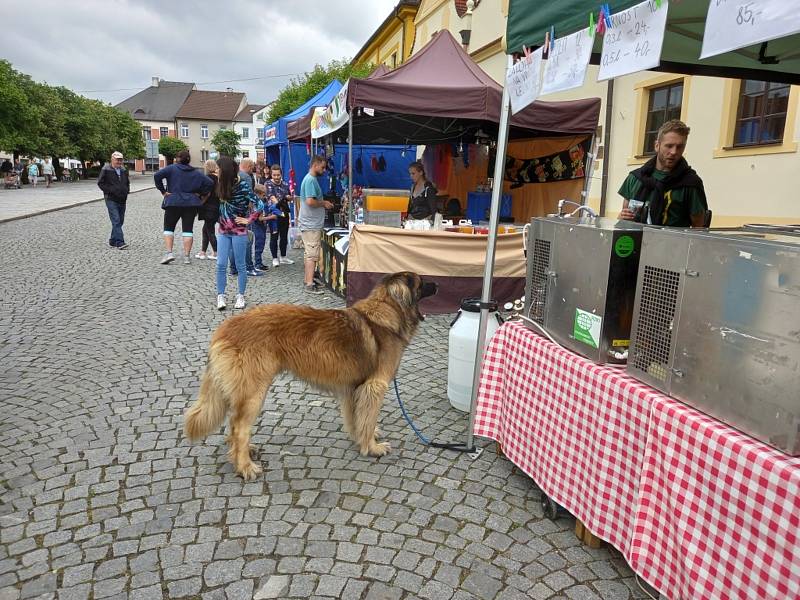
(184, 214)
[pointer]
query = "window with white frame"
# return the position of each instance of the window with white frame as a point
(204, 131)
(163, 132)
(184, 130)
(245, 133)
(146, 134)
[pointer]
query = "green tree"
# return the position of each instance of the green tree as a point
(226, 141)
(41, 120)
(301, 89)
(169, 147)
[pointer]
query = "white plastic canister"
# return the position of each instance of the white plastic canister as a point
(463, 340)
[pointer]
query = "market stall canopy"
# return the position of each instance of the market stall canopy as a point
(777, 60)
(440, 94)
(276, 132)
(300, 128)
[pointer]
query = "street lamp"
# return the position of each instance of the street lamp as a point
(465, 33)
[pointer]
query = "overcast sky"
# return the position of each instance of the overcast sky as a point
(110, 49)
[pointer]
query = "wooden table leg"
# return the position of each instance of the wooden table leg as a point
(499, 449)
(586, 536)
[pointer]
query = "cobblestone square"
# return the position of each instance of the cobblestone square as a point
(101, 497)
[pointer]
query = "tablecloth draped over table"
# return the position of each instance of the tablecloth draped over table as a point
(698, 509)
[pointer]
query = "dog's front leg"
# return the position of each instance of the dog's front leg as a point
(245, 411)
(368, 399)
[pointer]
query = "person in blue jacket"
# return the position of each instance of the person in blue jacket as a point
(183, 196)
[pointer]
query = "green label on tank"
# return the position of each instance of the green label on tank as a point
(624, 246)
(586, 327)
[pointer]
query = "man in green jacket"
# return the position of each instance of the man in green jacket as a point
(665, 190)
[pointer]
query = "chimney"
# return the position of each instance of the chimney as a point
(154, 81)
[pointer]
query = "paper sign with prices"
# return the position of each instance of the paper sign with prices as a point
(634, 41)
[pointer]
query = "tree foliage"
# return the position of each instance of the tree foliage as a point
(226, 141)
(41, 120)
(170, 146)
(306, 86)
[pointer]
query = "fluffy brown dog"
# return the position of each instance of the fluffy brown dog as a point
(352, 353)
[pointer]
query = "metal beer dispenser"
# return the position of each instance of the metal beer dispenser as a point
(717, 326)
(581, 282)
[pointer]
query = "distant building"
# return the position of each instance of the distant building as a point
(202, 115)
(155, 108)
(249, 124)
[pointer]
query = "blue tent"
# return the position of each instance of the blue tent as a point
(277, 147)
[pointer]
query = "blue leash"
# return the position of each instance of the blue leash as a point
(423, 439)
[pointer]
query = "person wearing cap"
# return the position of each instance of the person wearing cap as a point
(115, 184)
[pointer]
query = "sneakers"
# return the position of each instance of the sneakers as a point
(221, 302)
(239, 301)
(286, 261)
(312, 289)
(187, 260)
(261, 269)
(200, 255)
(211, 256)
(123, 246)
(255, 273)
(168, 258)
(276, 262)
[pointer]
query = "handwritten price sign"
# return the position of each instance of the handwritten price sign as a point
(567, 62)
(523, 81)
(633, 43)
(733, 24)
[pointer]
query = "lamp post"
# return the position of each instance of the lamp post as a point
(465, 33)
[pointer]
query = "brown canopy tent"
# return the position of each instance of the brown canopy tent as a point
(441, 95)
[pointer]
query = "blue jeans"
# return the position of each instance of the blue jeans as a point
(260, 240)
(116, 212)
(248, 258)
(233, 247)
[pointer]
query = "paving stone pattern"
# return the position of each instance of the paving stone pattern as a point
(101, 497)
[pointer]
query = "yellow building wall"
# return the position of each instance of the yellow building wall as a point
(742, 186)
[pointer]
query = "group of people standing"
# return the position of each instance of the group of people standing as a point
(237, 203)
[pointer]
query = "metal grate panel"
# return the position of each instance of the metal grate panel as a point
(541, 264)
(651, 348)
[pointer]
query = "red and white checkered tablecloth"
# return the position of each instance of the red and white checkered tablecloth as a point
(698, 509)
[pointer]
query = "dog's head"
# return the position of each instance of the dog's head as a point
(408, 288)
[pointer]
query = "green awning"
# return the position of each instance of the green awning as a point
(778, 60)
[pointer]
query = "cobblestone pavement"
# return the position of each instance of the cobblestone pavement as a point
(101, 497)
(27, 201)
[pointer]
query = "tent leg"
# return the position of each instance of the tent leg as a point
(350, 210)
(494, 218)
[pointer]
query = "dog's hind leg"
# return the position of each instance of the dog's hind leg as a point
(246, 409)
(368, 399)
(346, 405)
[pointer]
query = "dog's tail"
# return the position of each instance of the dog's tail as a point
(208, 412)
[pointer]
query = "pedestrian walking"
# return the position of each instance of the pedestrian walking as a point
(116, 185)
(209, 214)
(278, 192)
(311, 220)
(182, 198)
(33, 172)
(48, 171)
(235, 200)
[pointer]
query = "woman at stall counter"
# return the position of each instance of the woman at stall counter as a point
(422, 199)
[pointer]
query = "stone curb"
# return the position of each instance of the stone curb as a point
(73, 205)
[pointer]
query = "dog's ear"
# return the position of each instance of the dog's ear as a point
(412, 280)
(397, 287)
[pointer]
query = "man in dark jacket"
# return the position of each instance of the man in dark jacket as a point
(115, 184)
(183, 196)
